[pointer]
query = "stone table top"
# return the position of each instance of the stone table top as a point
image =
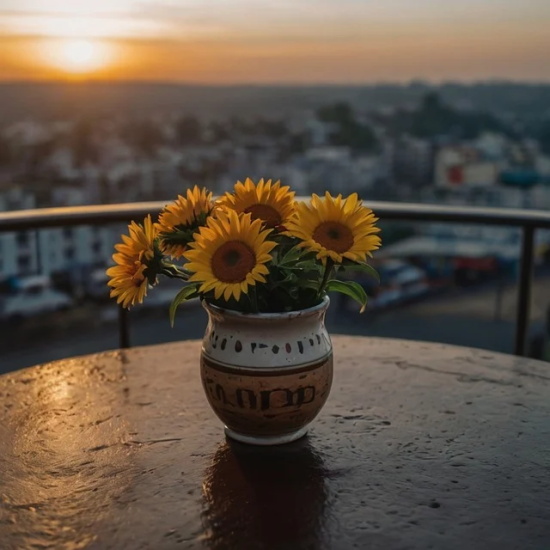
(419, 446)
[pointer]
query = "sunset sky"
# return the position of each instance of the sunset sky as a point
(284, 41)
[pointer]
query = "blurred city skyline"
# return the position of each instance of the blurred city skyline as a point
(299, 42)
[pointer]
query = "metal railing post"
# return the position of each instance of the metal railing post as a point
(524, 289)
(123, 332)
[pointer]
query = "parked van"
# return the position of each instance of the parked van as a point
(32, 296)
(400, 282)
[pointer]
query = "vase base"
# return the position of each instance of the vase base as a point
(266, 440)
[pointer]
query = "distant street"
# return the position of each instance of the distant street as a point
(470, 317)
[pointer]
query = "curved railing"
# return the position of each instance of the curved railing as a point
(528, 220)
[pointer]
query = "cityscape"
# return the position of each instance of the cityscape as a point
(420, 145)
(192, 356)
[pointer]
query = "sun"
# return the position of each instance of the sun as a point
(79, 56)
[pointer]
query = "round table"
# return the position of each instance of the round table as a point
(419, 446)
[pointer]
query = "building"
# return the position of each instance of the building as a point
(411, 161)
(55, 250)
(464, 166)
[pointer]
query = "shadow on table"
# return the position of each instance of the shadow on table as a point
(256, 496)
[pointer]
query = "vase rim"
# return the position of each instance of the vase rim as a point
(278, 315)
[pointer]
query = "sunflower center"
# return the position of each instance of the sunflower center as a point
(334, 236)
(232, 262)
(266, 213)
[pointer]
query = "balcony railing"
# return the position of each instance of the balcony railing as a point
(527, 220)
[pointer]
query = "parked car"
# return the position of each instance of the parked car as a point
(96, 286)
(400, 282)
(33, 296)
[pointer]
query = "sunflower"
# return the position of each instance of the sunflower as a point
(268, 202)
(335, 228)
(137, 261)
(179, 220)
(229, 254)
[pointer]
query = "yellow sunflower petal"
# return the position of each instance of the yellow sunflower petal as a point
(335, 228)
(229, 255)
(186, 213)
(126, 279)
(268, 202)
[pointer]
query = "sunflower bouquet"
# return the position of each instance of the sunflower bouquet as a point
(255, 249)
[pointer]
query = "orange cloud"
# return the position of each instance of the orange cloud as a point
(340, 50)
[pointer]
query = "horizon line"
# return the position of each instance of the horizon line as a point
(411, 82)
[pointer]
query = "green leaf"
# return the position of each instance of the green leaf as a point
(302, 266)
(178, 236)
(310, 264)
(186, 293)
(363, 268)
(306, 283)
(292, 256)
(349, 288)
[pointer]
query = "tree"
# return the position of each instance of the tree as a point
(144, 136)
(188, 131)
(347, 130)
(434, 118)
(339, 113)
(219, 131)
(82, 143)
(6, 156)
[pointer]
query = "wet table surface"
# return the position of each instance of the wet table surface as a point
(419, 446)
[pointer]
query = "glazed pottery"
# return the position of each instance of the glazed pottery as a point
(266, 375)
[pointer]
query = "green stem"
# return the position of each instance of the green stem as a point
(173, 272)
(253, 299)
(326, 276)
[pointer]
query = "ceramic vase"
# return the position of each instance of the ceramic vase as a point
(266, 375)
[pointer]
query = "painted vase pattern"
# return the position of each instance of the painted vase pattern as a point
(267, 375)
